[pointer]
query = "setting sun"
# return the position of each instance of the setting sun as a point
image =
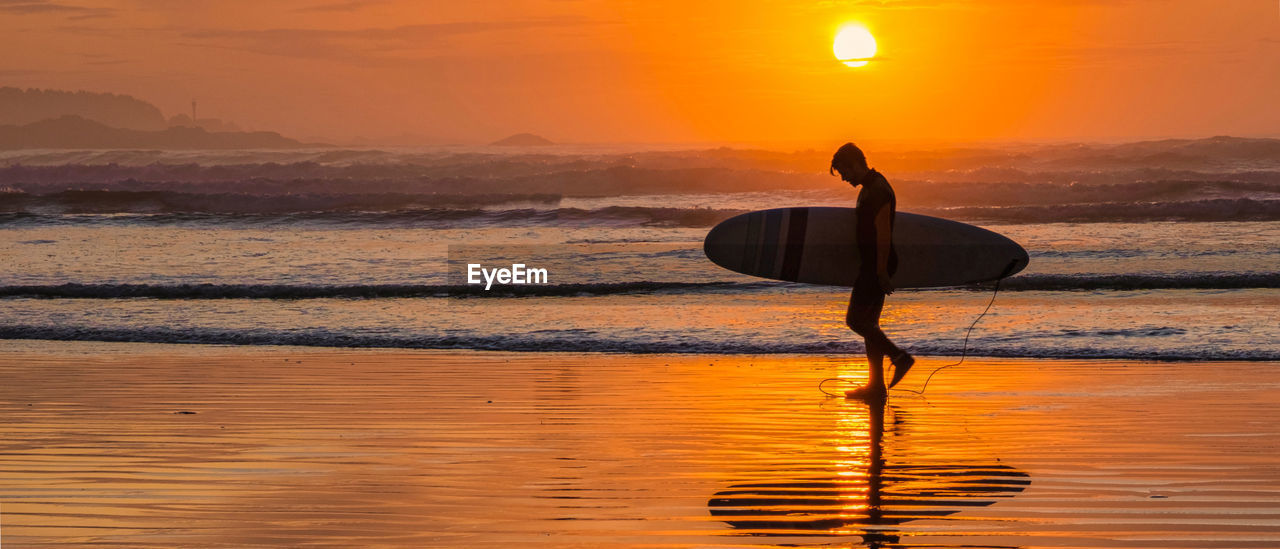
(854, 46)
(623, 274)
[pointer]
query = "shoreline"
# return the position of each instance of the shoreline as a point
(852, 355)
(203, 446)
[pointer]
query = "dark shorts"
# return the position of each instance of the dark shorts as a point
(867, 291)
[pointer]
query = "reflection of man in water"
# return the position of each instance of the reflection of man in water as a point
(876, 208)
(862, 492)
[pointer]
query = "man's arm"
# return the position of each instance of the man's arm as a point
(884, 243)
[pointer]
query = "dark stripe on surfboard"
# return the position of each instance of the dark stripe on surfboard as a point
(795, 243)
(769, 249)
(751, 249)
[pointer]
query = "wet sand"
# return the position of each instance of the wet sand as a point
(166, 445)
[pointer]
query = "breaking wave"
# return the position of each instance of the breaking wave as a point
(1131, 282)
(1221, 209)
(615, 216)
(415, 211)
(372, 291)
(570, 342)
(1032, 282)
(117, 201)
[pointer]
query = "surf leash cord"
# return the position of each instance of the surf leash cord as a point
(964, 350)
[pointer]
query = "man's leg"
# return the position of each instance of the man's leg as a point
(875, 364)
(864, 320)
(863, 317)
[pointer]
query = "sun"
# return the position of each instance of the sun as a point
(854, 46)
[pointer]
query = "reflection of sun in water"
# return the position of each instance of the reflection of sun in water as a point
(854, 46)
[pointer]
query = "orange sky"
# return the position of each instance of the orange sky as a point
(670, 71)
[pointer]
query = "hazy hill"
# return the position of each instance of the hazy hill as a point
(74, 132)
(18, 106)
(524, 140)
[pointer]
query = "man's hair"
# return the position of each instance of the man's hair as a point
(846, 154)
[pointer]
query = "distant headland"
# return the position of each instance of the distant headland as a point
(523, 140)
(56, 119)
(74, 132)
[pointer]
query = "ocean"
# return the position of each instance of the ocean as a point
(1162, 250)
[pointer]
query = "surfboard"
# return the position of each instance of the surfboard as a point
(817, 245)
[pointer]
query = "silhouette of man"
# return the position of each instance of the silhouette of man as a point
(875, 212)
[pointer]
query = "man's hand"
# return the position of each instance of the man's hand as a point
(885, 283)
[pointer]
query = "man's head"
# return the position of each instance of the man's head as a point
(850, 162)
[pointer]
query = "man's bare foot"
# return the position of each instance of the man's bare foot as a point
(901, 365)
(867, 394)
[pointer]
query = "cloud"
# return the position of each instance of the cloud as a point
(29, 7)
(103, 60)
(917, 4)
(1185, 52)
(341, 6)
(362, 46)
